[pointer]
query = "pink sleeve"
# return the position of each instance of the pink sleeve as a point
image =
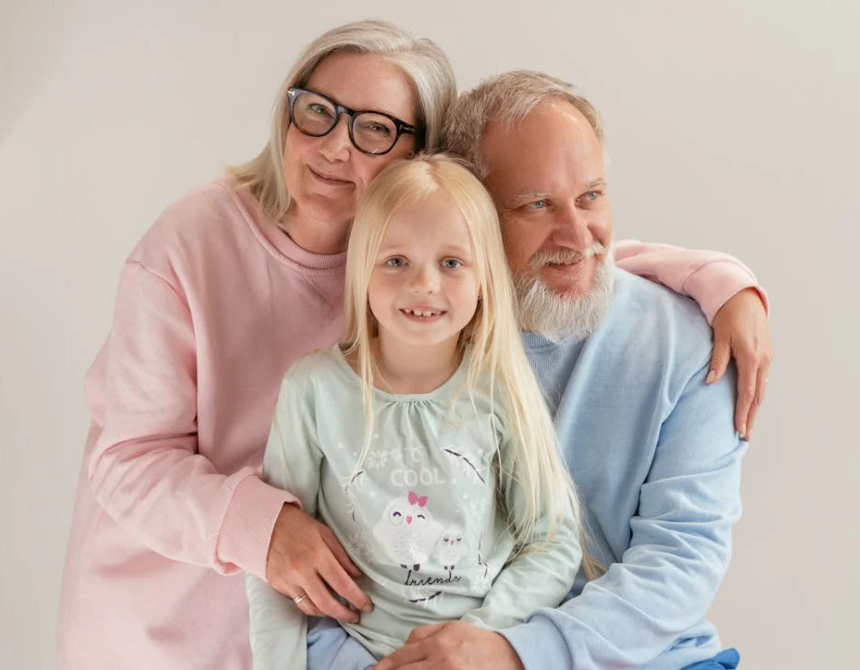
(709, 277)
(145, 468)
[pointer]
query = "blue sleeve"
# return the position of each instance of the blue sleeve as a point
(678, 554)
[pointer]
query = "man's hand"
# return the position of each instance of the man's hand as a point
(453, 646)
(740, 332)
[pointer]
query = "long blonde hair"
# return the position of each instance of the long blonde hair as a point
(495, 351)
(421, 60)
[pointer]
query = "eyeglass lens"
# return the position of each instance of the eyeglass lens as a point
(371, 132)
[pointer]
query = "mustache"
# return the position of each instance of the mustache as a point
(566, 256)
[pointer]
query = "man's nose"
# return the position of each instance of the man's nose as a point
(335, 146)
(572, 230)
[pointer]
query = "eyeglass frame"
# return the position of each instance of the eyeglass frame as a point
(402, 127)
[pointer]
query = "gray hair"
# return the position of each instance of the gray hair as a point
(508, 98)
(421, 60)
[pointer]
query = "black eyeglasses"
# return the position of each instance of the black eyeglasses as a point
(373, 133)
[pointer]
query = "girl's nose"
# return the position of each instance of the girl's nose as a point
(425, 280)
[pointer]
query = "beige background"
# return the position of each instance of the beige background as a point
(732, 125)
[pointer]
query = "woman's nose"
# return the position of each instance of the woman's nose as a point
(336, 144)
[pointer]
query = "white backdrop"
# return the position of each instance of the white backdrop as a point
(732, 125)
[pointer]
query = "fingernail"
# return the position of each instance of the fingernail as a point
(712, 375)
(743, 431)
(367, 609)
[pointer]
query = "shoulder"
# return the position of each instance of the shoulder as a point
(210, 198)
(205, 220)
(321, 369)
(483, 397)
(647, 317)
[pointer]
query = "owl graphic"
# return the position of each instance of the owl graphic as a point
(450, 547)
(407, 531)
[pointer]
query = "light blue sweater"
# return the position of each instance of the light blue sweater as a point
(656, 459)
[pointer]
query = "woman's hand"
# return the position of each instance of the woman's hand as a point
(740, 332)
(306, 559)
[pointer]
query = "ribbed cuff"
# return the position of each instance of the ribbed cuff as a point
(539, 644)
(247, 528)
(712, 295)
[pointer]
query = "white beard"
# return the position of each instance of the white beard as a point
(541, 310)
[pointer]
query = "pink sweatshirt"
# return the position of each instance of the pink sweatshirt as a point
(214, 304)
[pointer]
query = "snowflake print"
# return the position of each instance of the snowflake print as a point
(361, 546)
(377, 458)
(474, 503)
(342, 446)
(481, 583)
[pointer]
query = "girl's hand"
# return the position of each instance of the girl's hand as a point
(305, 558)
(740, 332)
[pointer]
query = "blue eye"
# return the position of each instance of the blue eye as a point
(538, 204)
(451, 264)
(592, 195)
(395, 262)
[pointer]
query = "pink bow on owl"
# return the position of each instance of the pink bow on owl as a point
(421, 500)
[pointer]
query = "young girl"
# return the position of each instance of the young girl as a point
(422, 440)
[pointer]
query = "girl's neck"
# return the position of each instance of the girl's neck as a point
(317, 237)
(406, 369)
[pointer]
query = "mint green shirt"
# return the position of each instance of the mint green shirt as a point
(424, 517)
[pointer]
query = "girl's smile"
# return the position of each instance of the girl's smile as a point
(422, 313)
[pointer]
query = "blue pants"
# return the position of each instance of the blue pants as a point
(725, 660)
(330, 647)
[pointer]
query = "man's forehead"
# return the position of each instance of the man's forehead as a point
(551, 147)
(553, 113)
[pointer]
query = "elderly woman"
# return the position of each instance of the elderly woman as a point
(233, 283)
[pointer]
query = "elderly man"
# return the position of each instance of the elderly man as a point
(624, 363)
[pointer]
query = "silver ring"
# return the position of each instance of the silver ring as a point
(300, 597)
